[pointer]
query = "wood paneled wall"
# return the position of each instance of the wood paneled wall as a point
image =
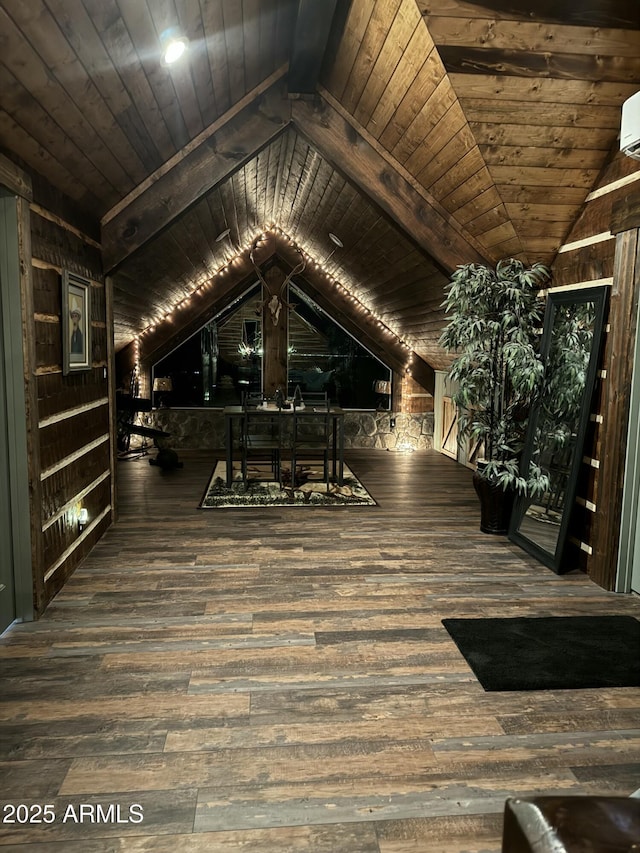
(69, 420)
(588, 258)
(412, 396)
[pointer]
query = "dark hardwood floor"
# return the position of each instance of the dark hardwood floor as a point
(278, 680)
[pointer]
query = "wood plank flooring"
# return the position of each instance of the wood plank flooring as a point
(279, 681)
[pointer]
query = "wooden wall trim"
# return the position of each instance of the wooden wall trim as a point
(587, 504)
(70, 504)
(582, 546)
(73, 457)
(613, 186)
(66, 226)
(71, 413)
(586, 241)
(14, 179)
(623, 308)
(45, 265)
(86, 533)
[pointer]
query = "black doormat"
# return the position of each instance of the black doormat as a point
(550, 653)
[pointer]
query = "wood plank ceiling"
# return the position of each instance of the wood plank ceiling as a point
(441, 131)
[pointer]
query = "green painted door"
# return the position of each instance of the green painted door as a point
(635, 574)
(7, 591)
(16, 577)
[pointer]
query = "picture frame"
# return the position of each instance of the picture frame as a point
(76, 323)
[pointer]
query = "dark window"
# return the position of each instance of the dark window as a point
(323, 356)
(219, 362)
(222, 360)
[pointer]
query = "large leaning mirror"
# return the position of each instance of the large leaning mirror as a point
(557, 427)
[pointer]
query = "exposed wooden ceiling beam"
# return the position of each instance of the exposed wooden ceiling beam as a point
(463, 59)
(356, 155)
(313, 25)
(237, 139)
(603, 14)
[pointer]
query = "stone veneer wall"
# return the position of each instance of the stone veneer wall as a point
(203, 429)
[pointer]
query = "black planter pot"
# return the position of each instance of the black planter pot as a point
(495, 505)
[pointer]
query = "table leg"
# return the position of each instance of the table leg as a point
(229, 448)
(338, 450)
(334, 449)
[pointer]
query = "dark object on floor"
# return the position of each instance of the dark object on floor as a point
(571, 825)
(550, 653)
(167, 459)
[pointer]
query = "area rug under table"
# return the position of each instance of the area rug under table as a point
(550, 653)
(309, 490)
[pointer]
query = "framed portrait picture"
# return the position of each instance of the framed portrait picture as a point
(76, 323)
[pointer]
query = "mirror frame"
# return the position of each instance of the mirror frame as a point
(599, 296)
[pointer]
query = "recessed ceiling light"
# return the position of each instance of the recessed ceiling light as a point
(336, 240)
(223, 234)
(173, 44)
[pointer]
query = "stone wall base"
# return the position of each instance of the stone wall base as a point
(203, 429)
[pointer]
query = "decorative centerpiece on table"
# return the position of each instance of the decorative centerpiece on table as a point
(495, 320)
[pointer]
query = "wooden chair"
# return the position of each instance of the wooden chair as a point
(251, 399)
(261, 441)
(315, 399)
(312, 433)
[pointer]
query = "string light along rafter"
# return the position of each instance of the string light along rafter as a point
(167, 315)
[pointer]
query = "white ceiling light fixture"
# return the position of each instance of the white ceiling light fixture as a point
(226, 237)
(174, 44)
(338, 245)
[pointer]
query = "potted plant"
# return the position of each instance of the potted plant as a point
(495, 320)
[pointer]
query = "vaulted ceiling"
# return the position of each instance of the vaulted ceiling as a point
(424, 133)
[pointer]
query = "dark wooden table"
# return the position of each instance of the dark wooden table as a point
(233, 415)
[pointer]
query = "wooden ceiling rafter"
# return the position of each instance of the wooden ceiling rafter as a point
(206, 163)
(433, 226)
(226, 212)
(598, 14)
(334, 133)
